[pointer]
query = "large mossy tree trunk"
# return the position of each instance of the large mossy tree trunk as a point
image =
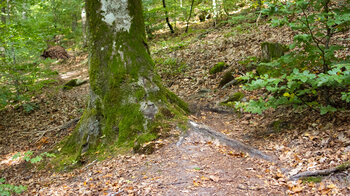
(127, 102)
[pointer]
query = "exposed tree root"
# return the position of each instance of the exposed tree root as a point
(64, 126)
(323, 172)
(235, 144)
(182, 138)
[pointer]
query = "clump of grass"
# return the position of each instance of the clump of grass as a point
(170, 66)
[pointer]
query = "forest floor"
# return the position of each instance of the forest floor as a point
(197, 164)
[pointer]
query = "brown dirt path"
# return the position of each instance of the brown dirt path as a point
(198, 166)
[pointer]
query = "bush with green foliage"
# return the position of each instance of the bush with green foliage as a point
(27, 27)
(28, 156)
(312, 74)
(9, 189)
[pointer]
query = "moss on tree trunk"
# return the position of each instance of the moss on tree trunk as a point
(126, 96)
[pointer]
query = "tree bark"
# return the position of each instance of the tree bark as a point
(54, 10)
(215, 9)
(167, 17)
(127, 101)
(3, 11)
(83, 25)
(3, 5)
(74, 22)
(189, 17)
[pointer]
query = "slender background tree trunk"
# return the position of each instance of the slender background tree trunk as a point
(189, 17)
(167, 17)
(3, 12)
(83, 25)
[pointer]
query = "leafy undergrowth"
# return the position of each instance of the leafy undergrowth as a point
(302, 140)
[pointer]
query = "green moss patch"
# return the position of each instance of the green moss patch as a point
(312, 179)
(238, 96)
(218, 68)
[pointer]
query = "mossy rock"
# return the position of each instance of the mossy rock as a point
(270, 51)
(238, 96)
(249, 63)
(278, 125)
(218, 68)
(72, 83)
(226, 78)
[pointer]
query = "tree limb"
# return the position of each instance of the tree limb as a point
(323, 172)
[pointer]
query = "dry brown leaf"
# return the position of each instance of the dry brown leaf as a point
(214, 178)
(297, 189)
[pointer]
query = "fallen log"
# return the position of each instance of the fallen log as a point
(73, 83)
(323, 172)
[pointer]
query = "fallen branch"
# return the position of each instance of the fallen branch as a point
(232, 82)
(235, 144)
(64, 126)
(195, 109)
(323, 172)
(219, 110)
(257, 20)
(88, 165)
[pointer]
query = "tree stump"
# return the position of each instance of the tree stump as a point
(270, 50)
(55, 52)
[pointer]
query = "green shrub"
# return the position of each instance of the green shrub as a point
(9, 189)
(311, 75)
(28, 156)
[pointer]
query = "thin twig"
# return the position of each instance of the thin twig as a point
(257, 20)
(64, 126)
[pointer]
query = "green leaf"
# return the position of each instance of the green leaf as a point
(16, 156)
(36, 159)
(328, 108)
(48, 154)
